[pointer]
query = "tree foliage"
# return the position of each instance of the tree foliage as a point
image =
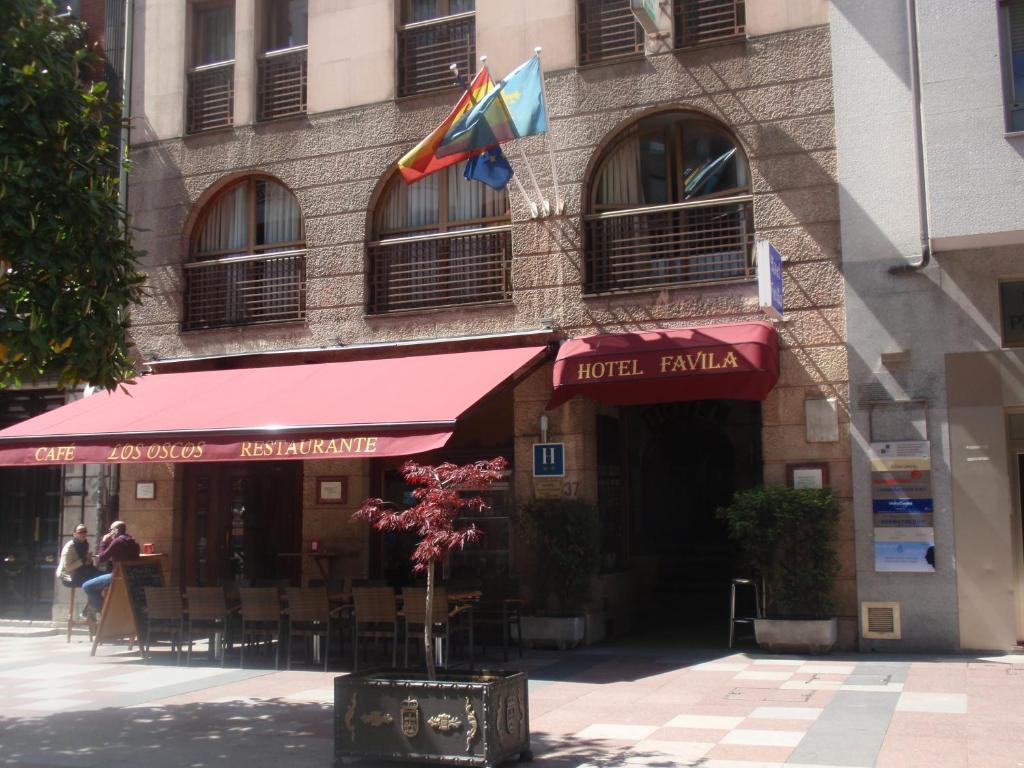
(439, 496)
(67, 268)
(788, 536)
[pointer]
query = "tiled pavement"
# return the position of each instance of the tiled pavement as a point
(594, 708)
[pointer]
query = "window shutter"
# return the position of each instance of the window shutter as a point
(1016, 23)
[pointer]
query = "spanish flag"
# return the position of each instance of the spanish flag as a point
(422, 160)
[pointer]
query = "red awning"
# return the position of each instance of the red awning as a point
(360, 409)
(722, 362)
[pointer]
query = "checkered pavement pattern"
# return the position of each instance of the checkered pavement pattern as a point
(591, 708)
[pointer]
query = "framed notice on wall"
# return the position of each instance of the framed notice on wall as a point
(807, 475)
(331, 490)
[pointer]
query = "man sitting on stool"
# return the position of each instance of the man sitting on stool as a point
(115, 547)
(76, 566)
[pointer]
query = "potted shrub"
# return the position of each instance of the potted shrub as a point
(456, 719)
(566, 537)
(788, 537)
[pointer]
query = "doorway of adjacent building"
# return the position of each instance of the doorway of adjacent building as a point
(243, 523)
(30, 522)
(30, 503)
(685, 461)
(1019, 547)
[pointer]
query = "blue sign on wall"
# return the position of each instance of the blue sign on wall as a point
(769, 279)
(549, 459)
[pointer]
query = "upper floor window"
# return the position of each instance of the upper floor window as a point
(439, 242)
(211, 78)
(281, 67)
(708, 21)
(433, 35)
(247, 258)
(670, 203)
(1013, 24)
(607, 30)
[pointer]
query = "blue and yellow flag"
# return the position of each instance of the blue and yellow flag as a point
(514, 109)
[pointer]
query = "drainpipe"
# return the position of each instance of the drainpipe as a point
(126, 103)
(922, 196)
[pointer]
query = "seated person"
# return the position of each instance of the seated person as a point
(115, 547)
(76, 566)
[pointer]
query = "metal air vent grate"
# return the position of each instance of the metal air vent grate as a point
(880, 621)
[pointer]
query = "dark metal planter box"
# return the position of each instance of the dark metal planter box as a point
(480, 719)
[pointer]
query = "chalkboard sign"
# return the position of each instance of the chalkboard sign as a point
(139, 574)
(124, 607)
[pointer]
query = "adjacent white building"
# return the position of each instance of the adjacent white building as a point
(930, 137)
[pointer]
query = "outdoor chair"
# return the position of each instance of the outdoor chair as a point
(309, 617)
(261, 619)
(207, 611)
(163, 617)
(497, 614)
(448, 620)
(374, 617)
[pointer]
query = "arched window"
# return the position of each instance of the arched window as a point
(247, 258)
(692, 178)
(441, 241)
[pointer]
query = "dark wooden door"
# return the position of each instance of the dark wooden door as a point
(239, 521)
(29, 539)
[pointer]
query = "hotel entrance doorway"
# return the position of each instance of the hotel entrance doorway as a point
(688, 459)
(239, 521)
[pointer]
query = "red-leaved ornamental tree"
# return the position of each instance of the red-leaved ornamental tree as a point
(439, 500)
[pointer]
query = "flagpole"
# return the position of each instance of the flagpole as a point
(534, 212)
(559, 206)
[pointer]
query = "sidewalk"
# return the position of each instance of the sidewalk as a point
(592, 708)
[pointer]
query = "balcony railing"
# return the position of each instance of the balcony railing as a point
(281, 86)
(211, 97)
(693, 242)
(245, 290)
(708, 21)
(426, 49)
(608, 30)
(442, 270)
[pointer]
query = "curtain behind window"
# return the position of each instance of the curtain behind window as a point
(469, 200)
(277, 216)
(619, 185)
(287, 24)
(215, 35)
(223, 231)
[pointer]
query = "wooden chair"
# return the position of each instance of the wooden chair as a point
(163, 616)
(498, 614)
(374, 616)
(309, 616)
(261, 618)
(207, 611)
(414, 610)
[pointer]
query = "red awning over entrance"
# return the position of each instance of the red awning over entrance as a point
(722, 362)
(360, 409)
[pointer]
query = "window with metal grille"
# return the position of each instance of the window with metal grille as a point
(211, 79)
(1013, 56)
(608, 30)
(443, 241)
(670, 203)
(433, 35)
(281, 67)
(248, 258)
(708, 21)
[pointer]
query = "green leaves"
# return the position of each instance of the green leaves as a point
(70, 271)
(567, 536)
(788, 536)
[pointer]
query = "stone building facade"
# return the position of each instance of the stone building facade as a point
(767, 88)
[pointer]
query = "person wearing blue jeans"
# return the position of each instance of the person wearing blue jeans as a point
(115, 547)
